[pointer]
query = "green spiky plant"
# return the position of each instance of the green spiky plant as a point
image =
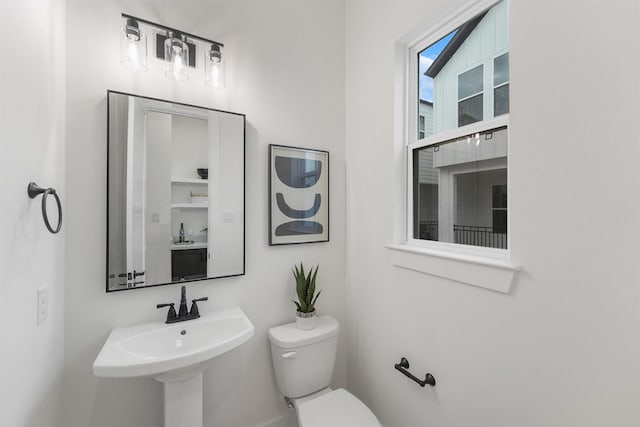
(306, 289)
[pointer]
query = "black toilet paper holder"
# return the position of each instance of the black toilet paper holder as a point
(404, 365)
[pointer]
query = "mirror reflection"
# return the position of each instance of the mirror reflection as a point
(175, 199)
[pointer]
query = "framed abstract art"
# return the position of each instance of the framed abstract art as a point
(298, 195)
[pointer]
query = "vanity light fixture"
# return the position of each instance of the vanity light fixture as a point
(174, 46)
(133, 47)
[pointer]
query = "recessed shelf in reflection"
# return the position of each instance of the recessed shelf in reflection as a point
(190, 181)
(189, 205)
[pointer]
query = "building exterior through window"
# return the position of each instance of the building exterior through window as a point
(460, 184)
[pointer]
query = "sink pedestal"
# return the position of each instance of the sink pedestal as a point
(183, 405)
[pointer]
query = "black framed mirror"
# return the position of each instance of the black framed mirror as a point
(175, 192)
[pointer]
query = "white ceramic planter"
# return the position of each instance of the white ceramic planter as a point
(306, 321)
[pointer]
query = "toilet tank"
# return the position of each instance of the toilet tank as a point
(304, 360)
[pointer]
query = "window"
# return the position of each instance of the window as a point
(470, 96)
(499, 210)
(501, 85)
(458, 164)
(425, 119)
(454, 123)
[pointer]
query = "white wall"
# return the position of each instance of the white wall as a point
(189, 146)
(225, 202)
(562, 348)
(286, 73)
(32, 128)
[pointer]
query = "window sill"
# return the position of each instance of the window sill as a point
(496, 274)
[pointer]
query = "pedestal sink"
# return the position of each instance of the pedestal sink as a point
(176, 355)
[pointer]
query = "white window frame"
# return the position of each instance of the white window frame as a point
(479, 266)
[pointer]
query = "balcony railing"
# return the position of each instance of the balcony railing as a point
(466, 235)
(428, 230)
(479, 236)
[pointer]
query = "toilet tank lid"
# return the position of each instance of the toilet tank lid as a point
(289, 336)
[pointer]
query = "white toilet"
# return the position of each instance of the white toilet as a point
(303, 363)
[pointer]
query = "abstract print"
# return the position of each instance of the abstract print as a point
(298, 195)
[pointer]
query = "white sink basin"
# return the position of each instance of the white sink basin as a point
(172, 352)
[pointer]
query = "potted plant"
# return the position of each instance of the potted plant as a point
(306, 289)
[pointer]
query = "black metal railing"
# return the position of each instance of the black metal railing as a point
(479, 236)
(428, 230)
(473, 235)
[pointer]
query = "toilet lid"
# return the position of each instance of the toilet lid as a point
(336, 409)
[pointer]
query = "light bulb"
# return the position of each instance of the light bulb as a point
(177, 61)
(215, 73)
(133, 54)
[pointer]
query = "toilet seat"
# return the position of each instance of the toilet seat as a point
(338, 408)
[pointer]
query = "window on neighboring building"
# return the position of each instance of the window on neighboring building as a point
(499, 209)
(501, 85)
(470, 96)
(459, 167)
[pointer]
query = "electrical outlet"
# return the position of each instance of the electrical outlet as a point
(43, 304)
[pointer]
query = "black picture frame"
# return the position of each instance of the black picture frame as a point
(298, 195)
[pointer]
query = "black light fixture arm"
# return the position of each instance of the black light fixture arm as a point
(404, 365)
(173, 30)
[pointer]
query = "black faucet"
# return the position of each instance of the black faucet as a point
(183, 314)
(183, 302)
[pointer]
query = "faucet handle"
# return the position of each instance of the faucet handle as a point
(171, 314)
(165, 305)
(194, 307)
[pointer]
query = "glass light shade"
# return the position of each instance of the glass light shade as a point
(133, 48)
(176, 53)
(214, 67)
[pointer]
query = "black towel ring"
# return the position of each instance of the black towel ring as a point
(33, 190)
